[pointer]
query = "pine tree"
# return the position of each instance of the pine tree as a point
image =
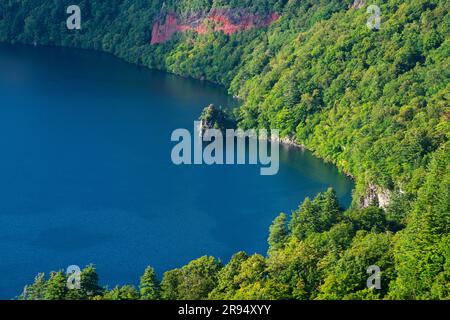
(226, 287)
(126, 292)
(170, 284)
(149, 285)
(278, 232)
(304, 220)
(56, 288)
(35, 291)
(90, 282)
(329, 214)
(422, 250)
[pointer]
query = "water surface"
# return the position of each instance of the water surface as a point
(86, 175)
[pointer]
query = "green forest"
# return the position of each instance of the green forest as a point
(372, 102)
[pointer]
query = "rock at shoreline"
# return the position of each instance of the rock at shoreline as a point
(217, 118)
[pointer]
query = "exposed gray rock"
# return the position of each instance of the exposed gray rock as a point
(376, 194)
(358, 4)
(289, 141)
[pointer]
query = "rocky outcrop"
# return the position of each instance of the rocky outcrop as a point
(216, 118)
(358, 4)
(226, 20)
(289, 141)
(163, 30)
(377, 195)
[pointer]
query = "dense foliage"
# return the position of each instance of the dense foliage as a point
(217, 118)
(374, 102)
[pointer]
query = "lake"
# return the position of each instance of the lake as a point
(86, 173)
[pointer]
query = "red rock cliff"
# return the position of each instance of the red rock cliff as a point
(227, 20)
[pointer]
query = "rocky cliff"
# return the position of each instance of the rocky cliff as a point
(375, 195)
(227, 20)
(358, 4)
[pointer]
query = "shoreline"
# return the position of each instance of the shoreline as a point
(286, 141)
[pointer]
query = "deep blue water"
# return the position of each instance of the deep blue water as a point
(86, 175)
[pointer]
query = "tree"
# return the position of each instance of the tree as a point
(199, 278)
(226, 284)
(170, 283)
(303, 220)
(330, 211)
(36, 291)
(90, 282)
(370, 219)
(278, 232)
(251, 279)
(56, 288)
(149, 285)
(251, 271)
(422, 248)
(122, 293)
(315, 216)
(349, 275)
(194, 281)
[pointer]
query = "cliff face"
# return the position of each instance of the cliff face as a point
(358, 4)
(227, 20)
(373, 193)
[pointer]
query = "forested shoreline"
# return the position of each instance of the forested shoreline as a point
(375, 103)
